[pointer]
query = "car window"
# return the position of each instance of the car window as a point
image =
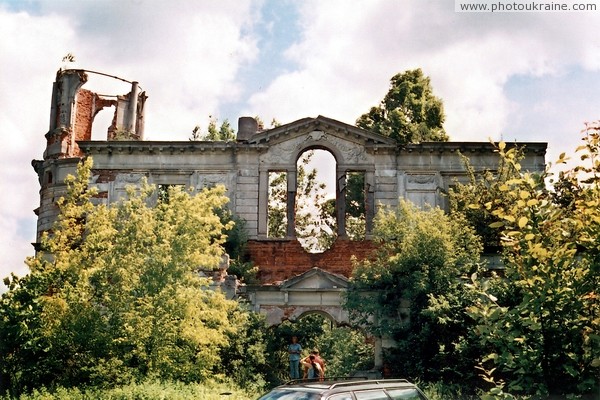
(341, 396)
(405, 394)
(290, 394)
(371, 395)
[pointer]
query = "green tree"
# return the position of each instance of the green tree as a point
(214, 132)
(413, 291)
(244, 359)
(409, 112)
(541, 321)
(115, 293)
(469, 199)
(277, 207)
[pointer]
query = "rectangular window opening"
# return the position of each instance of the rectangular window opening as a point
(277, 205)
(355, 201)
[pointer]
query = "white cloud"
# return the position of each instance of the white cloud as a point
(184, 54)
(350, 50)
(28, 63)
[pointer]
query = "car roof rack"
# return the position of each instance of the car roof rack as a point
(337, 381)
(374, 381)
(327, 379)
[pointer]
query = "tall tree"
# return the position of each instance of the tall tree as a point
(115, 293)
(541, 321)
(312, 227)
(409, 112)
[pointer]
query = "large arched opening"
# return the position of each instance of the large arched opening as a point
(346, 350)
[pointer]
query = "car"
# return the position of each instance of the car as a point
(349, 389)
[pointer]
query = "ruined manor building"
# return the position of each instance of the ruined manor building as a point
(420, 173)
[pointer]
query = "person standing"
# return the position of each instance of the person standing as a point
(294, 350)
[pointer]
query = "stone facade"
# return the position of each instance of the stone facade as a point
(420, 173)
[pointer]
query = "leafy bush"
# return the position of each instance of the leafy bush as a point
(114, 295)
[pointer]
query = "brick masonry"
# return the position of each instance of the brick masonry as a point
(281, 259)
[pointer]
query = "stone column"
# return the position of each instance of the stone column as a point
(378, 350)
(263, 201)
(340, 202)
(369, 202)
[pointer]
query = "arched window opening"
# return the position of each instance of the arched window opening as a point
(102, 123)
(277, 205)
(315, 203)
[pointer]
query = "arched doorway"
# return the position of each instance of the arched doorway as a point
(344, 350)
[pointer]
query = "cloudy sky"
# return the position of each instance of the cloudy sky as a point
(525, 76)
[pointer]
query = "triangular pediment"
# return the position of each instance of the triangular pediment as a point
(326, 125)
(315, 278)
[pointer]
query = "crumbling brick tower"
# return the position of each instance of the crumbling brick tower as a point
(72, 115)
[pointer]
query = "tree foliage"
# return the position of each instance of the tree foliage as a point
(412, 290)
(409, 112)
(277, 207)
(115, 293)
(315, 234)
(214, 132)
(314, 228)
(541, 321)
(482, 188)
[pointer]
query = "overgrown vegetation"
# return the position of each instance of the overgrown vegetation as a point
(114, 296)
(413, 292)
(540, 321)
(345, 350)
(114, 307)
(147, 390)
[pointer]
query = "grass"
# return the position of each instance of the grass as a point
(145, 391)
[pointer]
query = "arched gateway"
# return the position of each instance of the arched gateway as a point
(292, 281)
(315, 290)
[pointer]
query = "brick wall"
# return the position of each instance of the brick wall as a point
(282, 259)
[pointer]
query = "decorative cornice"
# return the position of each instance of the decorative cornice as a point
(538, 148)
(166, 147)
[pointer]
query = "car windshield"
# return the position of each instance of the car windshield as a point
(404, 394)
(290, 394)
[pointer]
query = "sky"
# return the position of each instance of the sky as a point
(513, 76)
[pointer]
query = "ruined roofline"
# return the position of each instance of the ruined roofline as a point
(538, 148)
(88, 147)
(378, 141)
(62, 71)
